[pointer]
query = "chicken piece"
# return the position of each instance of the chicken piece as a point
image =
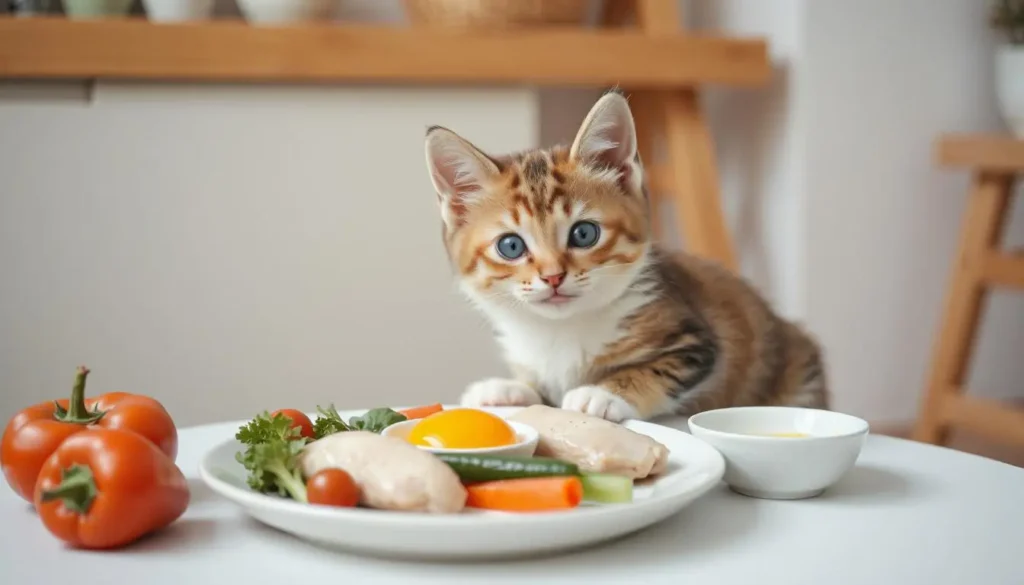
(391, 473)
(593, 444)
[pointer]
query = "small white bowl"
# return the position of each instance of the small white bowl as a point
(760, 465)
(525, 445)
(281, 12)
(178, 10)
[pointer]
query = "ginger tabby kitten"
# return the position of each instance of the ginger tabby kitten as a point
(554, 246)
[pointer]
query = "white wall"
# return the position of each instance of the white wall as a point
(884, 80)
(229, 249)
(759, 140)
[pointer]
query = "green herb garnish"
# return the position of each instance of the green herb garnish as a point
(376, 420)
(329, 422)
(273, 446)
(271, 455)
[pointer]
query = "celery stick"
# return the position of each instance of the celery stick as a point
(606, 488)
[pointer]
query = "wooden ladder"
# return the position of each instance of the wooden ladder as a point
(979, 265)
(690, 175)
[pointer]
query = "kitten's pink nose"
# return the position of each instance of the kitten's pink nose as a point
(554, 280)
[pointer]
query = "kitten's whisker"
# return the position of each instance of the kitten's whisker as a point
(601, 269)
(495, 295)
(608, 266)
(498, 296)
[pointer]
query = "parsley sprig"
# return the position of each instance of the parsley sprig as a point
(329, 422)
(271, 455)
(273, 445)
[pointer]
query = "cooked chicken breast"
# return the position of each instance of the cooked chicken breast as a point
(593, 444)
(391, 473)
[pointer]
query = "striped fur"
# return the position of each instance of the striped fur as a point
(633, 332)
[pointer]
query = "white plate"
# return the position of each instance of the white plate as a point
(694, 468)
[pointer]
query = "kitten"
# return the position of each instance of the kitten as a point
(554, 246)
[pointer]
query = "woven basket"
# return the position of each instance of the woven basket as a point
(497, 13)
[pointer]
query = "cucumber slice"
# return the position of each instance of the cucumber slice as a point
(606, 488)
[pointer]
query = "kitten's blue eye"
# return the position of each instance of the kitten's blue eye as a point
(584, 234)
(511, 246)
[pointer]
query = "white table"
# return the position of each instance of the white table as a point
(908, 514)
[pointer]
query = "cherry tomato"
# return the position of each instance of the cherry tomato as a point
(298, 420)
(332, 487)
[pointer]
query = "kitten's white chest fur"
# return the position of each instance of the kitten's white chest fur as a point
(554, 355)
(557, 353)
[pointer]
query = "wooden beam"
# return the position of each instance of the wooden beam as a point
(661, 17)
(236, 51)
(996, 152)
(989, 418)
(1003, 269)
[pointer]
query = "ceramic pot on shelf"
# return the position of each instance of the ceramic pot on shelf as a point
(1010, 85)
(286, 11)
(29, 7)
(97, 8)
(178, 10)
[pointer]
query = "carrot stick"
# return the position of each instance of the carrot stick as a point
(531, 494)
(421, 411)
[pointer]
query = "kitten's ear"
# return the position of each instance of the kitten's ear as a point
(459, 171)
(607, 138)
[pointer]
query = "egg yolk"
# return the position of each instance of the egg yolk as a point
(462, 428)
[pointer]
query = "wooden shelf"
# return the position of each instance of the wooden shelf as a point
(995, 152)
(235, 51)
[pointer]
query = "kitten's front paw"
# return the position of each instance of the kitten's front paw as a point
(596, 401)
(499, 392)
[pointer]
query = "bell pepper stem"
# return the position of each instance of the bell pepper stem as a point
(77, 489)
(76, 411)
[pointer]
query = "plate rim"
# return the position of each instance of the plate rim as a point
(248, 498)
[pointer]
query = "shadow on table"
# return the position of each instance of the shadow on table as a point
(185, 534)
(867, 483)
(199, 492)
(718, 519)
(721, 518)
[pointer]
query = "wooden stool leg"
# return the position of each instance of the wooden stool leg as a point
(980, 235)
(646, 115)
(615, 13)
(693, 180)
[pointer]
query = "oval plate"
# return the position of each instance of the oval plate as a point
(694, 467)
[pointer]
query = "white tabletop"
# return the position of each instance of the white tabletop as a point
(908, 514)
